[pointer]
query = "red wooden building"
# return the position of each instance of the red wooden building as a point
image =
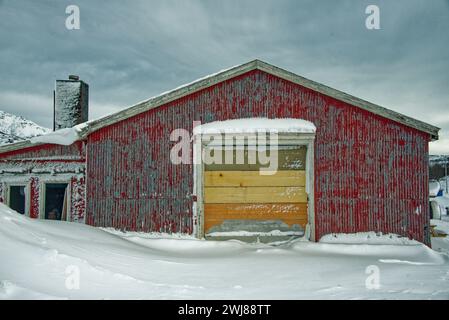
(364, 169)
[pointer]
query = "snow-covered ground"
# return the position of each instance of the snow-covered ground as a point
(45, 259)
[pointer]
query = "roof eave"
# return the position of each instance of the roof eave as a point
(18, 146)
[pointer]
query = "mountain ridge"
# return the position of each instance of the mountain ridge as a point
(14, 128)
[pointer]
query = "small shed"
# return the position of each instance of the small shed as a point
(363, 168)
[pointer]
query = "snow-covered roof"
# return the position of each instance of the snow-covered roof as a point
(253, 125)
(64, 137)
(208, 81)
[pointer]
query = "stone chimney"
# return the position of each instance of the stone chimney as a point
(71, 103)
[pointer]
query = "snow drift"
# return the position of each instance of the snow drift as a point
(39, 259)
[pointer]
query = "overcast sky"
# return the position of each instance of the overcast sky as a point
(130, 51)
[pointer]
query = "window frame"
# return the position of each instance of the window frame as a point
(19, 183)
(42, 196)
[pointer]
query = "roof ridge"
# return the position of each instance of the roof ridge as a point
(226, 74)
(257, 64)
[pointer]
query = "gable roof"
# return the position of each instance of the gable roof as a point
(208, 81)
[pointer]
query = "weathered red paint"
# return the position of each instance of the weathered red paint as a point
(370, 172)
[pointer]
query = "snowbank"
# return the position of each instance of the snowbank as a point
(64, 137)
(59, 260)
(254, 125)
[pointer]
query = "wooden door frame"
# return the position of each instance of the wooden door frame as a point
(200, 143)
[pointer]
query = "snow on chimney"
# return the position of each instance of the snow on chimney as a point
(71, 102)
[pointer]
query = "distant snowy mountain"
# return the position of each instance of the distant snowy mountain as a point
(16, 128)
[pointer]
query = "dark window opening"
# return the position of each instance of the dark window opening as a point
(17, 198)
(55, 201)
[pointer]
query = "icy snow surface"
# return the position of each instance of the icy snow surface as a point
(38, 257)
(253, 125)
